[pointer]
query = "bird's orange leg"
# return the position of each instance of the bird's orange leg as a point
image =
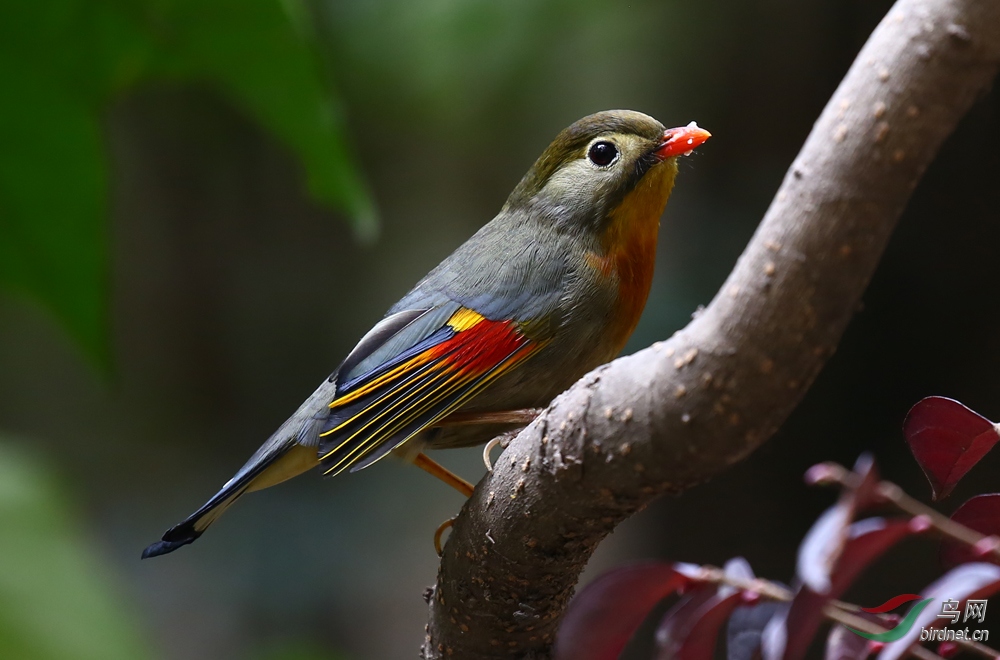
(431, 466)
(424, 462)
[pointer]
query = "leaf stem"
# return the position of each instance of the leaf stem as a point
(833, 610)
(889, 492)
(985, 546)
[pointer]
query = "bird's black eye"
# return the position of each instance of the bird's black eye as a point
(602, 153)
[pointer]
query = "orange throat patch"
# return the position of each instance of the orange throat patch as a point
(629, 246)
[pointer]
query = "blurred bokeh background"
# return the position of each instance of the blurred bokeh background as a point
(203, 205)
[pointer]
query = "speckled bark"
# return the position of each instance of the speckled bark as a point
(682, 410)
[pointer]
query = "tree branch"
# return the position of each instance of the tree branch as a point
(680, 411)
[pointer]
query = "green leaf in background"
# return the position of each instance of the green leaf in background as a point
(295, 650)
(61, 64)
(266, 61)
(56, 598)
(53, 183)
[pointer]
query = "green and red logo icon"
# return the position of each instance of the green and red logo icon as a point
(903, 626)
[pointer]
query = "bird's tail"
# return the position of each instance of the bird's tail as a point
(192, 527)
(289, 452)
(261, 471)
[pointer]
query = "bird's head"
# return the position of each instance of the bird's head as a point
(585, 176)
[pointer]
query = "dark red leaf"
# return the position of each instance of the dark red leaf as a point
(603, 616)
(822, 546)
(774, 638)
(819, 554)
(788, 636)
(680, 618)
(866, 540)
(866, 494)
(947, 439)
(695, 634)
(690, 629)
(701, 639)
(822, 474)
(842, 644)
(981, 513)
(745, 631)
(948, 649)
(967, 581)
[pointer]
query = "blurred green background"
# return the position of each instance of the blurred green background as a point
(203, 205)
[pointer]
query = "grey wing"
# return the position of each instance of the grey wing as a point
(511, 269)
(303, 427)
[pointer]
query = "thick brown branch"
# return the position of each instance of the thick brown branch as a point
(680, 411)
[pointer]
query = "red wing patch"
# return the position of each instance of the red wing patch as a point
(382, 410)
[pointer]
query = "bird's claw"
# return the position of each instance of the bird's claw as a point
(503, 440)
(442, 528)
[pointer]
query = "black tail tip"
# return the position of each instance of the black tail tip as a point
(167, 546)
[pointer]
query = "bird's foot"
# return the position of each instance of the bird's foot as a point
(442, 528)
(521, 417)
(502, 441)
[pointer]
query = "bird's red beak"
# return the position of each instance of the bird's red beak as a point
(682, 141)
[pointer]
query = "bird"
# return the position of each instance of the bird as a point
(550, 288)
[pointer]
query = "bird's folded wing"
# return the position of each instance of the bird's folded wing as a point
(388, 403)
